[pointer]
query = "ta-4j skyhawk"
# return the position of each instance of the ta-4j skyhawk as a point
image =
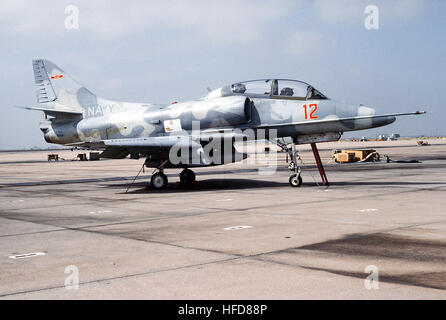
(196, 133)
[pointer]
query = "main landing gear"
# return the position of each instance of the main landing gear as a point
(187, 177)
(159, 179)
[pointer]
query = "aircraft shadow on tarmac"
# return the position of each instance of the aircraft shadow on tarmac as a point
(201, 185)
(233, 184)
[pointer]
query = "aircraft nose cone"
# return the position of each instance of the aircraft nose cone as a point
(365, 111)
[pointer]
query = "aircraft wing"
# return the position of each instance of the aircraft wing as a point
(120, 148)
(153, 142)
(183, 140)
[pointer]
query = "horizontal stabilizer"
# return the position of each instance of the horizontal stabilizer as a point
(51, 110)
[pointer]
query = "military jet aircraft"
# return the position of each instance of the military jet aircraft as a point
(196, 133)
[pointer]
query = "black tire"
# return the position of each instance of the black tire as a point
(159, 181)
(187, 177)
(295, 180)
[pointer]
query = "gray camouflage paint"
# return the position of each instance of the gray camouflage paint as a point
(94, 120)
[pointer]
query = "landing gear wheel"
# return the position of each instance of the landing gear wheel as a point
(295, 180)
(187, 177)
(159, 181)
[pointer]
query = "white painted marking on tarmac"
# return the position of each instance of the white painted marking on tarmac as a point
(27, 255)
(101, 211)
(237, 228)
(224, 200)
(368, 210)
(14, 201)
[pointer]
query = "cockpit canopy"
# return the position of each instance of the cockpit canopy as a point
(271, 88)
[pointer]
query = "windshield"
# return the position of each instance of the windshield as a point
(315, 94)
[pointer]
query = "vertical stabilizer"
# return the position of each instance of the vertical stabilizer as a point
(56, 86)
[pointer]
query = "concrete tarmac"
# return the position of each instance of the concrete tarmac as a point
(378, 231)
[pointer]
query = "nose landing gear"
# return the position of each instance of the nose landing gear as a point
(295, 179)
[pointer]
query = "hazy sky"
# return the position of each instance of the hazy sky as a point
(168, 51)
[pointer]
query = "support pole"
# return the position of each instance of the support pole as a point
(319, 164)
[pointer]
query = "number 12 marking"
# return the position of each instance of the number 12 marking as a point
(312, 106)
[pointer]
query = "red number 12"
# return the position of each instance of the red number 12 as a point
(312, 106)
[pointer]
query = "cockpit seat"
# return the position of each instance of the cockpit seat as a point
(289, 92)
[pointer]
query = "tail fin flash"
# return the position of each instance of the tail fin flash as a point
(55, 85)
